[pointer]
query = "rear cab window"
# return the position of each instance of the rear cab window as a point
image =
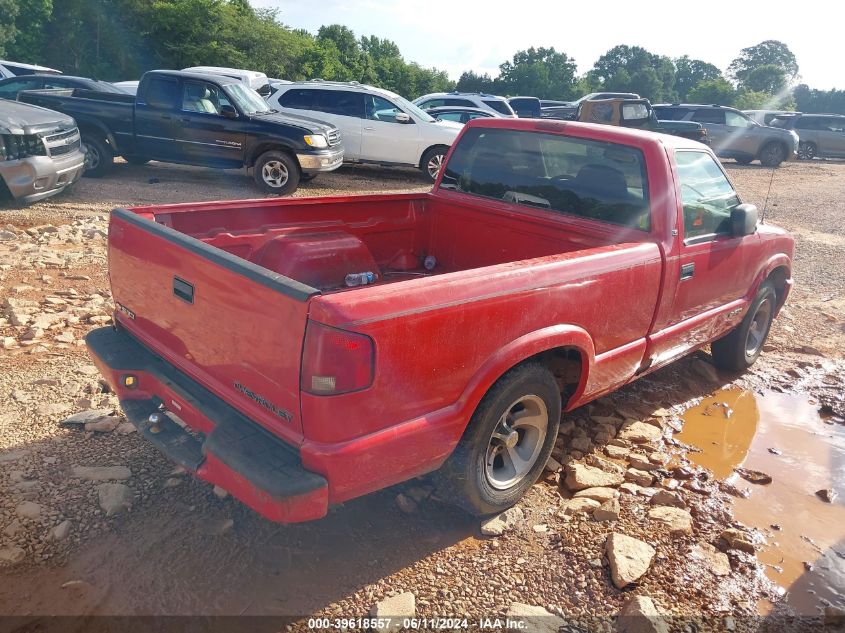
(595, 180)
(706, 194)
(161, 92)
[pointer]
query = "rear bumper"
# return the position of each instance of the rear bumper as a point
(38, 177)
(215, 442)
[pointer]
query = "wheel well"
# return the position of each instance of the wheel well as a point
(566, 365)
(778, 278)
(5, 194)
(428, 149)
(269, 147)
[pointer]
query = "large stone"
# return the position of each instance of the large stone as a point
(608, 511)
(28, 510)
(668, 498)
(534, 619)
(639, 477)
(639, 615)
(716, 561)
(581, 476)
(84, 417)
(600, 494)
(737, 539)
(578, 505)
(13, 529)
(104, 425)
(397, 608)
(629, 558)
(61, 531)
(503, 522)
(11, 555)
(100, 473)
(114, 498)
(678, 520)
(639, 432)
(641, 462)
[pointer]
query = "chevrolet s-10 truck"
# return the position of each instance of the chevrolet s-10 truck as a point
(552, 263)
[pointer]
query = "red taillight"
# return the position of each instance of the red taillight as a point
(335, 361)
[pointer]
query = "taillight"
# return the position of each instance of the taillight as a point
(335, 361)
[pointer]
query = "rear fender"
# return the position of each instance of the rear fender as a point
(96, 127)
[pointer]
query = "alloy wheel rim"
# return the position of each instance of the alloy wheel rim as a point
(516, 442)
(92, 158)
(434, 165)
(275, 174)
(758, 330)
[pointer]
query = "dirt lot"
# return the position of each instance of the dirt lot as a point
(173, 546)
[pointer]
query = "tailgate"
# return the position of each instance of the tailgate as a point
(233, 326)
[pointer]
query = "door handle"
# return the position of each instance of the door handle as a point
(369, 129)
(687, 271)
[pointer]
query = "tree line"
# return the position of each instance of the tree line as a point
(120, 39)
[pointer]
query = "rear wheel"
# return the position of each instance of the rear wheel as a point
(432, 161)
(738, 350)
(772, 154)
(807, 151)
(506, 444)
(99, 159)
(276, 172)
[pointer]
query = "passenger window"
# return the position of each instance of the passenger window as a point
(734, 119)
(709, 115)
(11, 89)
(298, 99)
(432, 103)
(161, 92)
(836, 124)
(203, 98)
(450, 116)
(706, 194)
(341, 102)
(379, 109)
(460, 103)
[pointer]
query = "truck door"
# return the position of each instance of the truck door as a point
(155, 117)
(713, 266)
(204, 134)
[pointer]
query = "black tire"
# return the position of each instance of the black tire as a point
(432, 161)
(737, 350)
(276, 172)
(307, 177)
(807, 151)
(475, 475)
(772, 154)
(744, 161)
(136, 160)
(99, 158)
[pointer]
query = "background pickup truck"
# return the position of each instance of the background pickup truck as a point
(197, 119)
(552, 263)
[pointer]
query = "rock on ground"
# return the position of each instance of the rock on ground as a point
(114, 498)
(28, 510)
(600, 494)
(629, 558)
(503, 522)
(581, 476)
(578, 505)
(397, 607)
(85, 417)
(716, 561)
(640, 615)
(11, 555)
(737, 539)
(678, 521)
(608, 511)
(668, 498)
(61, 531)
(639, 432)
(536, 619)
(100, 473)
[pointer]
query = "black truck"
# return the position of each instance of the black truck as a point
(197, 119)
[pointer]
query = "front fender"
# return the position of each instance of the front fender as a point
(778, 260)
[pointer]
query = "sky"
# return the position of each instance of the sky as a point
(479, 35)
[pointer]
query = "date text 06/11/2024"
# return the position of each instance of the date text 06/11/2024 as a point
(421, 623)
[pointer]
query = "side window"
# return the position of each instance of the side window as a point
(161, 92)
(706, 194)
(202, 97)
(432, 103)
(709, 115)
(341, 102)
(379, 109)
(836, 124)
(461, 103)
(734, 119)
(451, 116)
(298, 99)
(54, 83)
(11, 89)
(499, 106)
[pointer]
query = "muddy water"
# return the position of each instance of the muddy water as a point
(783, 436)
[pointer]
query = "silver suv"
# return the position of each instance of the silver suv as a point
(466, 100)
(734, 134)
(821, 135)
(40, 152)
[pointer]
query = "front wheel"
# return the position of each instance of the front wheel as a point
(99, 159)
(772, 154)
(432, 161)
(276, 172)
(807, 151)
(738, 350)
(506, 444)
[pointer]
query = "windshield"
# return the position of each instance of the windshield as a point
(247, 100)
(409, 107)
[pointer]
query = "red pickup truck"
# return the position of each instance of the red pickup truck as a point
(551, 263)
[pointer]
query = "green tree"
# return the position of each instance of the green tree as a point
(718, 91)
(767, 53)
(690, 72)
(768, 78)
(540, 72)
(755, 100)
(813, 100)
(634, 69)
(8, 12)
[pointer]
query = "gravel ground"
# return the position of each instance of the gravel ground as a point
(192, 551)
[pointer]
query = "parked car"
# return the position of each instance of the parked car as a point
(16, 69)
(195, 119)
(483, 314)
(764, 117)
(819, 135)
(460, 114)
(525, 107)
(733, 134)
(466, 100)
(9, 88)
(550, 103)
(252, 78)
(569, 110)
(637, 113)
(129, 87)
(40, 152)
(378, 126)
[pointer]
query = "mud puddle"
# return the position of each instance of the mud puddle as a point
(784, 437)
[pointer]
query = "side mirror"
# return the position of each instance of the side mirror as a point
(402, 117)
(744, 220)
(229, 112)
